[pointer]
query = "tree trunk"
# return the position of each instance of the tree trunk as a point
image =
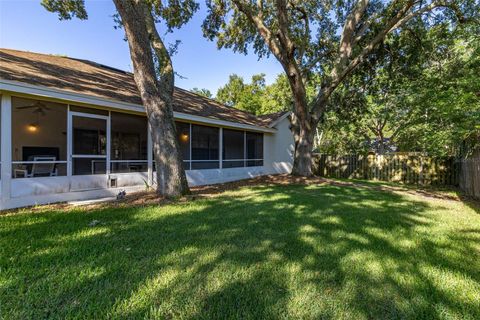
(304, 135)
(302, 161)
(381, 142)
(157, 100)
(171, 179)
(303, 125)
(381, 145)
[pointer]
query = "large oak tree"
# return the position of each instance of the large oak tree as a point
(153, 73)
(318, 39)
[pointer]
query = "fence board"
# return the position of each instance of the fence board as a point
(404, 168)
(469, 177)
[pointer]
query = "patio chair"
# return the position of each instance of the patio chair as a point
(38, 169)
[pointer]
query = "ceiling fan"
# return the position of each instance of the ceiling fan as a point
(38, 107)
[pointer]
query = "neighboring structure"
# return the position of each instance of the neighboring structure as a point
(73, 129)
(381, 146)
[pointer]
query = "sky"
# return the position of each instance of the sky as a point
(26, 25)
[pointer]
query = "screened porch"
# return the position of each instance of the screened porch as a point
(53, 147)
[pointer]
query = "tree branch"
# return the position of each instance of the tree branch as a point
(347, 38)
(166, 74)
(339, 71)
(283, 35)
(282, 48)
(315, 61)
(263, 30)
(306, 32)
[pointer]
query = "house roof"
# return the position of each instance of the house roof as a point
(91, 78)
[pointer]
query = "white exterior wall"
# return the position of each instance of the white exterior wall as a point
(214, 176)
(278, 149)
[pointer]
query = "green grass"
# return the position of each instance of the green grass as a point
(260, 252)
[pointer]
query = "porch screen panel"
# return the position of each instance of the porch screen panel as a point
(205, 147)
(87, 166)
(183, 136)
(89, 145)
(39, 138)
(233, 148)
(254, 142)
(129, 135)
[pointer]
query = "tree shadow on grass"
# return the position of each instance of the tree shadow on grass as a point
(263, 252)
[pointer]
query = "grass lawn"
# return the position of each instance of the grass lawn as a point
(295, 251)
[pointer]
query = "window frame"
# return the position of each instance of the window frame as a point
(221, 141)
(192, 161)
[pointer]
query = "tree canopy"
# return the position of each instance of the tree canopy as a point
(256, 96)
(423, 98)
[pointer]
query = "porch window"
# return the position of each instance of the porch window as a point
(200, 147)
(129, 143)
(242, 149)
(254, 144)
(233, 148)
(204, 147)
(183, 136)
(39, 138)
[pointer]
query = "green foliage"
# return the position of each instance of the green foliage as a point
(66, 9)
(339, 135)
(277, 96)
(256, 97)
(231, 94)
(203, 92)
(424, 97)
(172, 13)
(447, 96)
(313, 27)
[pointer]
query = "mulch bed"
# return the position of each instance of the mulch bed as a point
(146, 198)
(151, 198)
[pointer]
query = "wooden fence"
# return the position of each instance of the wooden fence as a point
(469, 175)
(403, 168)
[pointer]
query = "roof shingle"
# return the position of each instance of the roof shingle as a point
(87, 77)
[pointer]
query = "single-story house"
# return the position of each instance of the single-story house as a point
(74, 129)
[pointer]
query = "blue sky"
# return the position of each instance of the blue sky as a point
(26, 25)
